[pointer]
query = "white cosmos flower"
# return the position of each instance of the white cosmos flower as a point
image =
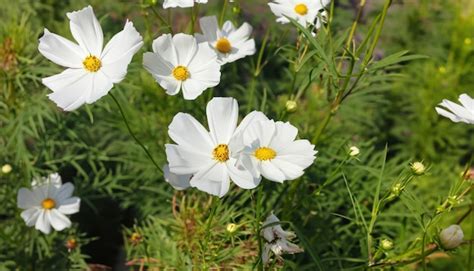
(277, 240)
(211, 156)
(178, 182)
(179, 62)
(91, 71)
(305, 12)
(229, 43)
(456, 112)
(47, 205)
(182, 3)
(272, 151)
(52, 179)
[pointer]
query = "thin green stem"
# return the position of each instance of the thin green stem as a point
(162, 20)
(133, 134)
(224, 8)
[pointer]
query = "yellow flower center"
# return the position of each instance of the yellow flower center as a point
(265, 154)
(92, 63)
(48, 204)
(221, 153)
(181, 73)
(223, 46)
(301, 9)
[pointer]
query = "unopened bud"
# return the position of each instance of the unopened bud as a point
(386, 244)
(7, 168)
(135, 238)
(231, 227)
(354, 151)
(451, 237)
(71, 244)
(396, 189)
(291, 106)
(418, 168)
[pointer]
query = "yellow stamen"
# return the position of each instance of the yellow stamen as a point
(301, 9)
(181, 73)
(221, 153)
(48, 204)
(92, 63)
(223, 45)
(265, 154)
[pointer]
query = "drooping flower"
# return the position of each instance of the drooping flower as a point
(178, 182)
(47, 205)
(229, 43)
(211, 156)
(91, 71)
(451, 237)
(456, 112)
(271, 149)
(277, 240)
(181, 3)
(179, 62)
(305, 12)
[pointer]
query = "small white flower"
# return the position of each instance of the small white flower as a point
(229, 43)
(277, 240)
(179, 62)
(354, 151)
(91, 71)
(305, 12)
(456, 112)
(47, 205)
(211, 156)
(451, 237)
(181, 3)
(271, 149)
(178, 182)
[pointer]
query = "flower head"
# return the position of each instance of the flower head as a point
(456, 112)
(271, 150)
(451, 237)
(231, 227)
(305, 12)
(7, 168)
(47, 205)
(291, 106)
(91, 70)
(211, 156)
(181, 3)
(277, 240)
(179, 62)
(354, 151)
(229, 43)
(418, 168)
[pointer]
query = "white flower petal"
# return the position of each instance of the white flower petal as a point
(163, 46)
(42, 223)
(209, 27)
(467, 102)
(70, 88)
(271, 172)
(86, 30)
(58, 220)
(178, 182)
(185, 161)
(30, 216)
(60, 50)
(101, 85)
(27, 199)
(70, 206)
(213, 180)
(187, 132)
(241, 177)
(119, 51)
(222, 116)
(64, 192)
(290, 170)
(186, 47)
(193, 88)
(178, 3)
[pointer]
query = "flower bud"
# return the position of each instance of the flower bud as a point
(451, 237)
(135, 238)
(418, 168)
(354, 151)
(7, 168)
(386, 244)
(291, 106)
(71, 244)
(231, 227)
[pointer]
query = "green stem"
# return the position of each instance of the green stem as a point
(258, 218)
(162, 20)
(133, 134)
(221, 17)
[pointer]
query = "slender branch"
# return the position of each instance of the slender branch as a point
(133, 134)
